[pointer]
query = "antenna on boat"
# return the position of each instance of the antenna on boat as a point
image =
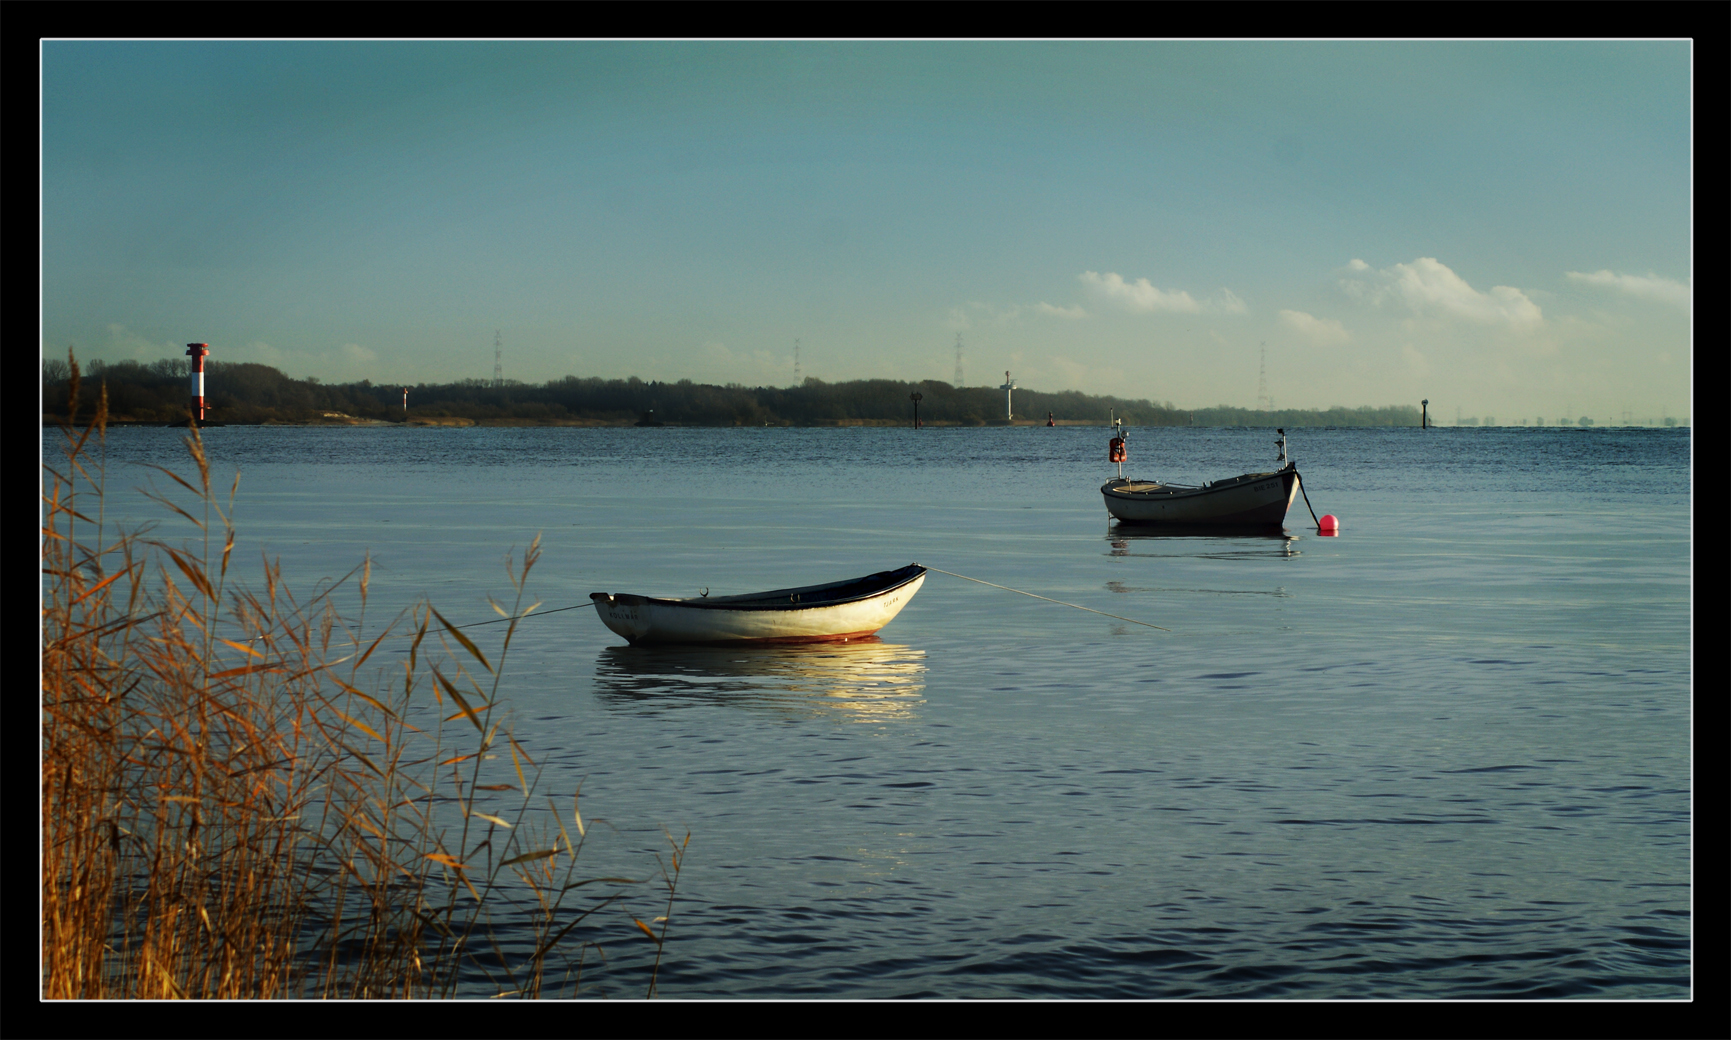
(1281, 444)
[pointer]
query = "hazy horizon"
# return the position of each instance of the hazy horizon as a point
(1503, 228)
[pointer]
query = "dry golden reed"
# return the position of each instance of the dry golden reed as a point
(235, 805)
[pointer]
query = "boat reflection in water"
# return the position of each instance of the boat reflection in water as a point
(863, 680)
(1206, 542)
(1169, 541)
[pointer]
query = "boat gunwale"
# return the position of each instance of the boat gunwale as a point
(779, 599)
(1182, 491)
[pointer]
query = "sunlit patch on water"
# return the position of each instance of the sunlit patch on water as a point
(864, 680)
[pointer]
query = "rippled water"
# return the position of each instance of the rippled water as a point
(1446, 754)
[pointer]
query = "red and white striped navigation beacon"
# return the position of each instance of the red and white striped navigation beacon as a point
(197, 351)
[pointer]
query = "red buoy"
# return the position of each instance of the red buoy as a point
(1329, 524)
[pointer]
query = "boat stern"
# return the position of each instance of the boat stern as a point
(1289, 476)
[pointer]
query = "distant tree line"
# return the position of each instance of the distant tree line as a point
(244, 392)
(1389, 415)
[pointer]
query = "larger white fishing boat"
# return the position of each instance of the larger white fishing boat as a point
(1248, 500)
(833, 612)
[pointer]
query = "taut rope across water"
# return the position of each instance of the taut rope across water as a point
(519, 617)
(1048, 599)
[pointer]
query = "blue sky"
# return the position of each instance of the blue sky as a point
(1501, 227)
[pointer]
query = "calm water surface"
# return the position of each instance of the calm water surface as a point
(1445, 755)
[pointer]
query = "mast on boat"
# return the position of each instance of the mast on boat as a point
(1115, 451)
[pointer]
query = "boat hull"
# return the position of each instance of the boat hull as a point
(1254, 499)
(813, 614)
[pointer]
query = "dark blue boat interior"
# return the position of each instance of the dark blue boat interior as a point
(828, 594)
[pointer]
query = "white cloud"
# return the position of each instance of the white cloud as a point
(1138, 295)
(1652, 287)
(1142, 297)
(355, 354)
(1061, 312)
(1430, 287)
(1321, 331)
(1427, 284)
(963, 318)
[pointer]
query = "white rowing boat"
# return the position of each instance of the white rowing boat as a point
(834, 612)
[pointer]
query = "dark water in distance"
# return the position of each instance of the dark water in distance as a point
(1445, 755)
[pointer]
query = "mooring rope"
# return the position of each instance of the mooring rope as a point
(519, 617)
(1048, 599)
(476, 624)
(1307, 504)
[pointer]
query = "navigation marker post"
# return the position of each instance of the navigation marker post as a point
(197, 351)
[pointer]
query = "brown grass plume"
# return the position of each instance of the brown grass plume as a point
(235, 804)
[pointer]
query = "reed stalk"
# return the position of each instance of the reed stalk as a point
(236, 804)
